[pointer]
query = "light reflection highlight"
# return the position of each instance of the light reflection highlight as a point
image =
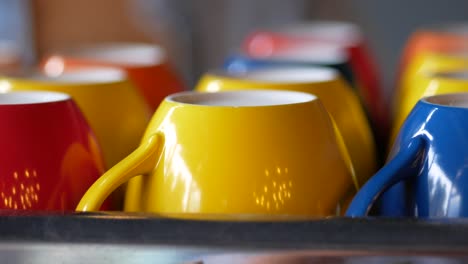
(276, 190)
(213, 86)
(54, 66)
(5, 86)
(181, 174)
(24, 194)
(442, 190)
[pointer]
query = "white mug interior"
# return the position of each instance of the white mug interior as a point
(31, 97)
(129, 54)
(340, 31)
(88, 75)
(312, 53)
(459, 100)
(455, 75)
(250, 98)
(291, 75)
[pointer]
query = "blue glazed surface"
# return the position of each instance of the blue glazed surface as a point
(427, 172)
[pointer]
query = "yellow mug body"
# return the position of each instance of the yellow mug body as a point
(337, 97)
(115, 111)
(416, 82)
(221, 155)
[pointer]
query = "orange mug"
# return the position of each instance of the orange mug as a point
(146, 65)
(436, 38)
(431, 39)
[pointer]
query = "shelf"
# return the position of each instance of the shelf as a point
(135, 238)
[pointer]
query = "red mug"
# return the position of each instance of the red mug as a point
(146, 65)
(342, 35)
(49, 155)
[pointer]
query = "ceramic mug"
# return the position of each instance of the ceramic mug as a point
(111, 104)
(221, 155)
(49, 156)
(327, 84)
(310, 56)
(345, 36)
(147, 66)
(434, 39)
(426, 175)
(430, 74)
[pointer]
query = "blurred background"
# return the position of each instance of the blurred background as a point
(199, 33)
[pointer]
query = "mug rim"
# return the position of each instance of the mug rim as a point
(448, 100)
(305, 53)
(286, 98)
(344, 32)
(80, 76)
(32, 98)
(274, 75)
(457, 75)
(312, 53)
(149, 54)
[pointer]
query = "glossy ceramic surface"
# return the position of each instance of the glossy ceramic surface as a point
(146, 65)
(242, 152)
(436, 38)
(333, 91)
(343, 35)
(418, 81)
(427, 167)
(112, 106)
(49, 155)
(416, 78)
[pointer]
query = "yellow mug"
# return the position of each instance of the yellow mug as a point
(114, 109)
(337, 97)
(263, 154)
(416, 79)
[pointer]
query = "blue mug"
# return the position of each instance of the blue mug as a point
(427, 172)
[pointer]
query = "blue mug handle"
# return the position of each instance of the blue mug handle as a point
(407, 163)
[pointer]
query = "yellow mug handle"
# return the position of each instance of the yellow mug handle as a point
(141, 161)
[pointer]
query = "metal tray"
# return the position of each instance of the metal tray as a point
(27, 237)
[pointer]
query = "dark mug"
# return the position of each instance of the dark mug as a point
(299, 57)
(427, 172)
